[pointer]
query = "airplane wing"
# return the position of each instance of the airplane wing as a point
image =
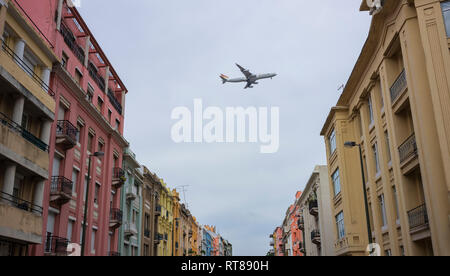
(244, 71)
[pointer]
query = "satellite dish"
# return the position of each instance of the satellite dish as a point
(375, 6)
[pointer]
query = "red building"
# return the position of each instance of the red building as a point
(90, 100)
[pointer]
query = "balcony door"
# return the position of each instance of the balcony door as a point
(56, 165)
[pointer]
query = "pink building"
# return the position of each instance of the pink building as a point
(279, 247)
(90, 100)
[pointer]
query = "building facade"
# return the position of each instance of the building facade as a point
(165, 221)
(89, 118)
(314, 215)
(131, 204)
(395, 107)
(27, 111)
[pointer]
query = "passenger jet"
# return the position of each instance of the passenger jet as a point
(250, 78)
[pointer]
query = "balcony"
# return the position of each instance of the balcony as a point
(301, 223)
(158, 238)
(301, 247)
(115, 103)
(315, 237)
(113, 254)
(118, 178)
(313, 208)
(55, 246)
(190, 233)
(13, 126)
(131, 196)
(158, 210)
(93, 72)
(130, 229)
(147, 233)
(70, 41)
(418, 223)
(272, 243)
(115, 218)
(60, 190)
(398, 87)
(408, 155)
(66, 134)
(28, 78)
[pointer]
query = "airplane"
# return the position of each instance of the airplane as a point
(250, 78)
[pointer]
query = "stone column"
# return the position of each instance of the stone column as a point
(87, 48)
(45, 131)
(59, 14)
(45, 76)
(38, 196)
(19, 48)
(18, 110)
(8, 183)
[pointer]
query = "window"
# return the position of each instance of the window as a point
(388, 146)
(70, 230)
(90, 93)
(78, 76)
(97, 193)
(377, 160)
(370, 110)
(336, 183)
(78, 136)
(446, 13)
(99, 104)
(29, 63)
(74, 181)
(85, 187)
(360, 125)
(383, 209)
(381, 95)
(117, 124)
(64, 60)
(94, 232)
(100, 147)
(89, 142)
(109, 116)
(388, 253)
(394, 192)
(402, 250)
(332, 141)
(340, 225)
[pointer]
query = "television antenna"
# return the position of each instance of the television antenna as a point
(184, 190)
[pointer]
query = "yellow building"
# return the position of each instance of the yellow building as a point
(396, 107)
(165, 222)
(194, 250)
(27, 111)
(176, 225)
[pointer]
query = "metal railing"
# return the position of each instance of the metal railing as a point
(6, 121)
(61, 184)
(20, 203)
(27, 69)
(313, 205)
(418, 216)
(158, 209)
(399, 86)
(147, 233)
(56, 245)
(66, 128)
(118, 173)
(315, 234)
(408, 148)
(113, 254)
(116, 215)
(93, 72)
(71, 42)
(115, 103)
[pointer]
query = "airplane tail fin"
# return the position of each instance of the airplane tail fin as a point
(224, 78)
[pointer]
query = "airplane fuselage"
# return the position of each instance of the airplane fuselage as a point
(253, 78)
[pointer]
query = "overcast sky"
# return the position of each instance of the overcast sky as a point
(170, 52)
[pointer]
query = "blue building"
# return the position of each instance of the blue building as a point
(207, 243)
(131, 205)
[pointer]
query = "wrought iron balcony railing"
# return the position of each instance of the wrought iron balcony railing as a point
(399, 86)
(61, 184)
(20, 203)
(115, 103)
(56, 245)
(113, 254)
(313, 207)
(147, 233)
(408, 148)
(158, 210)
(418, 217)
(116, 215)
(315, 236)
(24, 133)
(93, 72)
(27, 69)
(67, 130)
(118, 173)
(71, 42)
